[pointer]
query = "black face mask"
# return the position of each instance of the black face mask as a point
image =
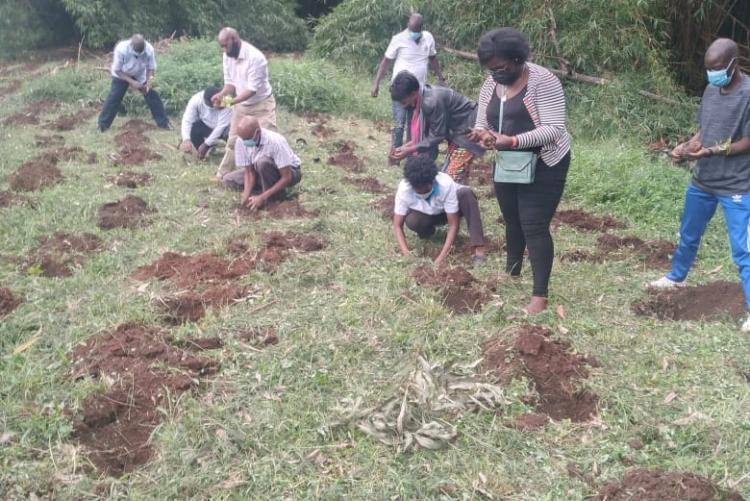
(504, 77)
(234, 51)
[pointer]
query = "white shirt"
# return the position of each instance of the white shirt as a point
(410, 55)
(444, 197)
(248, 72)
(131, 63)
(272, 145)
(215, 118)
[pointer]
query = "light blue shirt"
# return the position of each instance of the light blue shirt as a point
(131, 63)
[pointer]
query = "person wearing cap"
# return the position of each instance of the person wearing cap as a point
(203, 123)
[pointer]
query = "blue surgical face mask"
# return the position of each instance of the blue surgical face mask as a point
(250, 143)
(720, 78)
(415, 35)
(426, 196)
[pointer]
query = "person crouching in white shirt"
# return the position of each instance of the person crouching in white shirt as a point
(267, 165)
(426, 199)
(203, 123)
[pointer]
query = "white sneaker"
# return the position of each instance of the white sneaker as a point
(665, 283)
(746, 325)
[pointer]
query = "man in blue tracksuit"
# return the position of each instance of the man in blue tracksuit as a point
(722, 173)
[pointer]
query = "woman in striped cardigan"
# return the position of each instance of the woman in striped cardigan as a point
(533, 120)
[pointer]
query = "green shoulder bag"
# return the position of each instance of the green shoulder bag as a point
(513, 166)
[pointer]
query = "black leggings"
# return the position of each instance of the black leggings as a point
(528, 210)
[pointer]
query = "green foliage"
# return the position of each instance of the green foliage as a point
(29, 24)
(269, 24)
(67, 85)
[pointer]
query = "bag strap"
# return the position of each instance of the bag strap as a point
(502, 109)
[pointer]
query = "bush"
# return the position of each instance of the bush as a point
(67, 86)
(30, 24)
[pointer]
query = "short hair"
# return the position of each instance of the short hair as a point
(403, 85)
(210, 92)
(420, 170)
(507, 43)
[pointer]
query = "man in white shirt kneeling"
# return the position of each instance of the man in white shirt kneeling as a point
(203, 123)
(267, 165)
(426, 199)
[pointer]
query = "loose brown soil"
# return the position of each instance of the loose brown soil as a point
(137, 125)
(703, 302)
(63, 154)
(187, 307)
(551, 366)
(115, 427)
(583, 221)
(189, 271)
(133, 144)
(529, 422)
(385, 206)
(480, 173)
(460, 291)
(369, 184)
(344, 157)
(130, 138)
(30, 114)
(277, 248)
(58, 254)
(136, 156)
(655, 253)
(8, 301)
(659, 485)
(8, 198)
(35, 175)
(319, 125)
(284, 209)
(130, 179)
(203, 343)
(260, 336)
(73, 120)
(53, 141)
(466, 251)
(130, 212)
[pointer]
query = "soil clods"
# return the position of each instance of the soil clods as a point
(130, 212)
(552, 367)
(460, 291)
(655, 253)
(8, 198)
(35, 175)
(711, 301)
(658, 485)
(583, 221)
(8, 301)
(385, 206)
(284, 209)
(133, 144)
(144, 371)
(344, 157)
(58, 254)
(369, 184)
(130, 179)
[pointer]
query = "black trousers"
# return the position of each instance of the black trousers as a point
(200, 131)
(528, 210)
(114, 100)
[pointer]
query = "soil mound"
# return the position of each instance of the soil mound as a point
(55, 140)
(550, 365)
(70, 122)
(130, 138)
(189, 271)
(260, 336)
(115, 427)
(35, 175)
(385, 206)
(703, 302)
(466, 251)
(203, 343)
(130, 212)
(58, 254)
(8, 198)
(130, 179)
(530, 421)
(344, 157)
(63, 154)
(655, 253)
(460, 291)
(133, 144)
(8, 302)
(582, 220)
(658, 485)
(30, 114)
(137, 125)
(285, 209)
(136, 156)
(187, 307)
(369, 184)
(292, 241)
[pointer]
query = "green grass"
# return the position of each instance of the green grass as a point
(350, 319)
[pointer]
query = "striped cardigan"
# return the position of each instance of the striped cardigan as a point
(545, 101)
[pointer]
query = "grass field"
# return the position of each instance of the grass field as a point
(351, 321)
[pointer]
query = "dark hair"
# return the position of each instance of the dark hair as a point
(420, 170)
(403, 85)
(507, 43)
(209, 93)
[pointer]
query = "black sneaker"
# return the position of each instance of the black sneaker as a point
(167, 127)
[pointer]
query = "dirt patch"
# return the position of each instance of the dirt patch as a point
(137, 125)
(466, 251)
(550, 365)
(319, 125)
(203, 343)
(277, 248)
(385, 206)
(529, 422)
(133, 144)
(703, 302)
(189, 271)
(35, 175)
(658, 485)
(656, 253)
(73, 120)
(583, 221)
(147, 371)
(260, 336)
(460, 291)
(55, 140)
(30, 114)
(480, 173)
(369, 184)
(8, 198)
(63, 154)
(130, 212)
(130, 138)
(284, 209)
(136, 156)
(8, 301)
(344, 157)
(184, 308)
(58, 254)
(130, 179)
